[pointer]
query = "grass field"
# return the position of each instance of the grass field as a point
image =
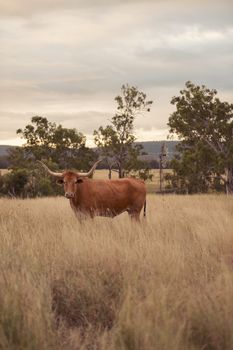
(166, 283)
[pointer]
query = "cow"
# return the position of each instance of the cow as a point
(107, 198)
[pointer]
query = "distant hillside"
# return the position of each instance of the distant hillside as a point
(152, 148)
(4, 149)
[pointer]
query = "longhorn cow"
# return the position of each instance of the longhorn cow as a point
(101, 197)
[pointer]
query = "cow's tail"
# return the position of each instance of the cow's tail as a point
(144, 209)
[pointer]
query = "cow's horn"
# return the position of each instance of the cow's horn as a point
(49, 171)
(90, 172)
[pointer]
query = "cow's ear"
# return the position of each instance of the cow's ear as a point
(60, 182)
(79, 181)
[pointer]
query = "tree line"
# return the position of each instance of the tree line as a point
(65, 148)
(203, 162)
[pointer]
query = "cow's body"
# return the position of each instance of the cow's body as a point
(109, 197)
(102, 197)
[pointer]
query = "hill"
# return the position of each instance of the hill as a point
(4, 149)
(153, 148)
(150, 147)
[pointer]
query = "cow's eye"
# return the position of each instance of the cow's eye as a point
(60, 181)
(78, 181)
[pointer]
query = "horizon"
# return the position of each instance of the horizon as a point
(149, 141)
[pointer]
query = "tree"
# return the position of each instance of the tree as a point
(204, 125)
(39, 137)
(13, 183)
(4, 163)
(117, 141)
(48, 140)
(18, 158)
(162, 164)
(195, 170)
(63, 146)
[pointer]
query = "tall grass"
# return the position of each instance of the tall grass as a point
(113, 284)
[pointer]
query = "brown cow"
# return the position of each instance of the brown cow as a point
(102, 197)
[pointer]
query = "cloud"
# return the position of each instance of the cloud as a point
(68, 59)
(32, 7)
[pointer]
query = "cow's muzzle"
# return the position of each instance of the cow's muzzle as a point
(69, 195)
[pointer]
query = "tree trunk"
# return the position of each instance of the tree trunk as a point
(121, 172)
(110, 173)
(229, 180)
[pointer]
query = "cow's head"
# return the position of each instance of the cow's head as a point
(70, 179)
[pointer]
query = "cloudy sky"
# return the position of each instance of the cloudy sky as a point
(67, 59)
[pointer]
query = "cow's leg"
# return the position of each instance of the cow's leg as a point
(134, 215)
(80, 216)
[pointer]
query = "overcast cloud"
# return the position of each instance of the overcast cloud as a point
(67, 60)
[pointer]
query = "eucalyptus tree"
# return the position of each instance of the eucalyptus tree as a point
(117, 140)
(204, 125)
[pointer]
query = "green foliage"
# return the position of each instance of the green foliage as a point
(200, 114)
(117, 141)
(27, 183)
(39, 137)
(204, 125)
(83, 158)
(19, 158)
(50, 141)
(144, 174)
(60, 147)
(4, 163)
(195, 169)
(14, 182)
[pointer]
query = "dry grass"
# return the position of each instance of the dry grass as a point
(112, 284)
(4, 171)
(152, 186)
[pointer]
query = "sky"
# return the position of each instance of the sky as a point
(66, 60)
